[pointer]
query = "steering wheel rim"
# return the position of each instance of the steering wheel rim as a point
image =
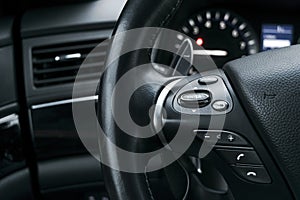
(135, 186)
(122, 185)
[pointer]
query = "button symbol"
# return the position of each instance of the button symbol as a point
(207, 137)
(230, 138)
(239, 157)
(251, 174)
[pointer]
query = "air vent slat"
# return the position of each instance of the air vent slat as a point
(58, 64)
(42, 61)
(64, 49)
(65, 79)
(66, 68)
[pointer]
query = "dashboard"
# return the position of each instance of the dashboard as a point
(229, 30)
(38, 137)
(223, 35)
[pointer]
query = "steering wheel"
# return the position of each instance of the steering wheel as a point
(257, 151)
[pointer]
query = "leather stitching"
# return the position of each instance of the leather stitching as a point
(148, 185)
(163, 23)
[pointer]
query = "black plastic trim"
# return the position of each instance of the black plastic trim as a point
(16, 186)
(7, 76)
(69, 171)
(9, 109)
(70, 18)
(6, 31)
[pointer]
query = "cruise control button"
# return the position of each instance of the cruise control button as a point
(220, 106)
(248, 157)
(194, 99)
(210, 137)
(208, 80)
(224, 138)
(232, 139)
(253, 174)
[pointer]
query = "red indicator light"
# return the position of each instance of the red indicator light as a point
(199, 41)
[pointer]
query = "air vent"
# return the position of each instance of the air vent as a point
(59, 64)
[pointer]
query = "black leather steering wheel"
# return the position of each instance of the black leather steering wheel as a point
(264, 90)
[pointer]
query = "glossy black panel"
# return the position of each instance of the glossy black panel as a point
(7, 76)
(6, 31)
(54, 132)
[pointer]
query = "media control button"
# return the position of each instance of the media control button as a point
(195, 99)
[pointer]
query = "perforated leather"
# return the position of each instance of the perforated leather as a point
(268, 85)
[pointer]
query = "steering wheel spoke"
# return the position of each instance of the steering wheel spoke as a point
(189, 106)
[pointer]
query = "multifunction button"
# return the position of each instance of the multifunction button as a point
(248, 157)
(220, 106)
(253, 174)
(238, 153)
(222, 137)
(195, 99)
(206, 95)
(208, 80)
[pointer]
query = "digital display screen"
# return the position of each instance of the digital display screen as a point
(276, 36)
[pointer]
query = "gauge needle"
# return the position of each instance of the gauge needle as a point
(210, 53)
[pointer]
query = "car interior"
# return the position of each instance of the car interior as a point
(214, 96)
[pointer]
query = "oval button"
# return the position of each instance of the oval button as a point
(220, 106)
(194, 99)
(208, 80)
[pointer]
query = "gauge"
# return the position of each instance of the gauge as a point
(223, 35)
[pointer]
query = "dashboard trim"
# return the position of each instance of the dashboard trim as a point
(62, 102)
(62, 91)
